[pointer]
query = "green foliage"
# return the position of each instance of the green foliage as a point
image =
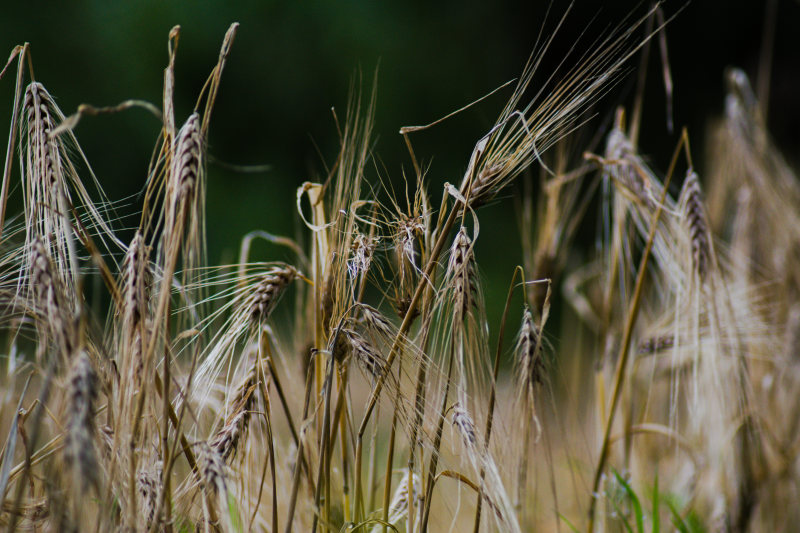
(635, 518)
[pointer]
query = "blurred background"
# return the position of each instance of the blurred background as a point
(292, 62)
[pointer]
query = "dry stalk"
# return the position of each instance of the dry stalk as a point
(630, 322)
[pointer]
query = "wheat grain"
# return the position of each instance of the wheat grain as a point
(186, 162)
(137, 280)
(212, 469)
(226, 441)
(697, 223)
(462, 421)
(368, 359)
(461, 269)
(56, 321)
(148, 485)
(216, 364)
(529, 361)
(656, 344)
(268, 291)
(79, 449)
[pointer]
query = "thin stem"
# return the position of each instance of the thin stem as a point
(44, 393)
(342, 423)
(166, 407)
(622, 361)
(273, 372)
(404, 327)
(387, 481)
(324, 457)
(264, 345)
(419, 405)
(493, 394)
(12, 136)
(436, 444)
(300, 445)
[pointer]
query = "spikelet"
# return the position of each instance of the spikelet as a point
(361, 252)
(625, 168)
(52, 188)
(529, 361)
(186, 162)
(406, 252)
(493, 491)
(483, 189)
(212, 469)
(461, 269)
(268, 291)
(226, 440)
(137, 278)
(42, 284)
(742, 108)
(529, 368)
(462, 421)
(79, 450)
(693, 210)
(148, 486)
(367, 357)
(56, 323)
(214, 479)
(251, 306)
(183, 209)
(43, 155)
(523, 133)
(398, 508)
(46, 196)
(656, 344)
(376, 323)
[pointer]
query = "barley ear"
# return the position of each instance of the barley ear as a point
(79, 449)
(694, 212)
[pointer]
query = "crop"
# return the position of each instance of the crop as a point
(357, 387)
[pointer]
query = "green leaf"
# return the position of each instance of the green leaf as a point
(233, 511)
(571, 526)
(677, 520)
(637, 506)
(656, 517)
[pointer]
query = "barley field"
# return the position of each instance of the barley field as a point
(641, 375)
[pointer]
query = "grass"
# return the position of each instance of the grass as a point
(354, 387)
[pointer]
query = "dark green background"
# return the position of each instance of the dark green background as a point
(292, 61)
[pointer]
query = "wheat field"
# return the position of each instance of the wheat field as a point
(356, 382)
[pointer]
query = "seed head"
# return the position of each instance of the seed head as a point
(186, 160)
(137, 277)
(529, 353)
(398, 508)
(212, 469)
(268, 291)
(465, 426)
(691, 200)
(461, 270)
(367, 357)
(656, 344)
(360, 254)
(79, 452)
(226, 441)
